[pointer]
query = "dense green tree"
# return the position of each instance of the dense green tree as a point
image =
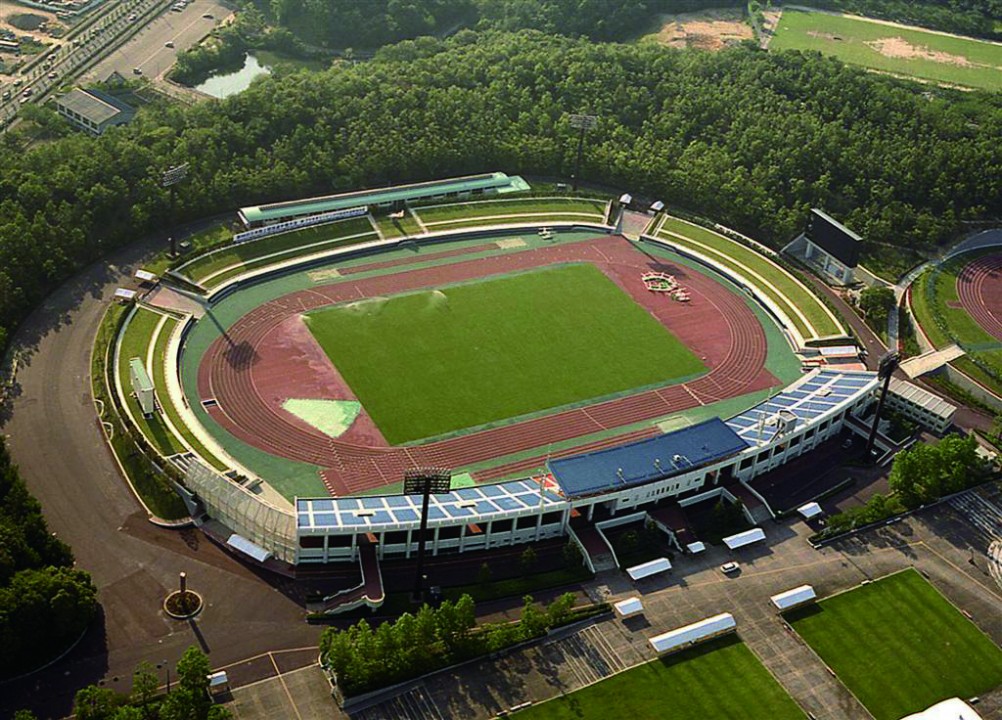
(95, 703)
(924, 473)
(876, 303)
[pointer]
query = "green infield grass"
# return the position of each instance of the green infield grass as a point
(721, 679)
(899, 645)
(433, 362)
(779, 285)
(911, 52)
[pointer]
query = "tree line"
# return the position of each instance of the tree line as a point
(750, 139)
(363, 659)
(45, 604)
(188, 699)
(349, 23)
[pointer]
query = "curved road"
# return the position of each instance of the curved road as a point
(54, 437)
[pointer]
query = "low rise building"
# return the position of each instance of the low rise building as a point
(93, 110)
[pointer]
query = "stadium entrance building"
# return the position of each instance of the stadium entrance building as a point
(829, 246)
(707, 460)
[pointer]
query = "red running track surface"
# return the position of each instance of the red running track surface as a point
(979, 289)
(268, 356)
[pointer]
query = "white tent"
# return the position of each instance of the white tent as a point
(793, 598)
(125, 294)
(951, 709)
(145, 276)
(744, 538)
(653, 567)
(629, 607)
(691, 634)
(696, 547)
(810, 510)
(657, 206)
(625, 199)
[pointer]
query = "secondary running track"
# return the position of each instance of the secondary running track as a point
(268, 356)
(979, 289)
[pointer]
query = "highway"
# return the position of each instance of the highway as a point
(147, 50)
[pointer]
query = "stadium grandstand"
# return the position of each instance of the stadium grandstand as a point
(460, 188)
(680, 468)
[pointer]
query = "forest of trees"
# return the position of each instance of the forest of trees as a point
(748, 138)
(45, 604)
(349, 23)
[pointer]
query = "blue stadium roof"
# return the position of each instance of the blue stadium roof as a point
(646, 460)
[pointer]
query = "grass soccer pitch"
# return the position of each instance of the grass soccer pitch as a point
(721, 679)
(899, 645)
(428, 363)
(904, 51)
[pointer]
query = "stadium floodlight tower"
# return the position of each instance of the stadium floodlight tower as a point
(582, 123)
(425, 482)
(885, 369)
(170, 178)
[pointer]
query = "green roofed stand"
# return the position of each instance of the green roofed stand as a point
(488, 183)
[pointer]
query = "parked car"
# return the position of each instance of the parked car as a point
(729, 568)
(137, 71)
(169, 43)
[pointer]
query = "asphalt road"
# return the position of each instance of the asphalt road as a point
(54, 437)
(147, 49)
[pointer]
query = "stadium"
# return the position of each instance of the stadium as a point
(568, 361)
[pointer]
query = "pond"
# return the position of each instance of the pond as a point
(226, 84)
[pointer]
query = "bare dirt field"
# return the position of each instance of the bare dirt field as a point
(897, 47)
(706, 30)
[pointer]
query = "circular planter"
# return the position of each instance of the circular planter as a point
(183, 605)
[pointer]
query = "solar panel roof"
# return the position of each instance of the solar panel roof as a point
(646, 460)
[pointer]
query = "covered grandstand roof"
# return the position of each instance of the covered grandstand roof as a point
(646, 460)
(365, 514)
(809, 398)
(498, 181)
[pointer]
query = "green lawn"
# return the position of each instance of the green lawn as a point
(579, 208)
(789, 294)
(436, 361)
(912, 52)
(290, 243)
(721, 679)
(135, 343)
(900, 646)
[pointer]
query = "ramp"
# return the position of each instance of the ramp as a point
(927, 362)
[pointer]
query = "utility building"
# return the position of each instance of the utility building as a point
(93, 110)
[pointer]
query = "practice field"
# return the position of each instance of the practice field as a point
(428, 363)
(904, 51)
(721, 679)
(900, 646)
